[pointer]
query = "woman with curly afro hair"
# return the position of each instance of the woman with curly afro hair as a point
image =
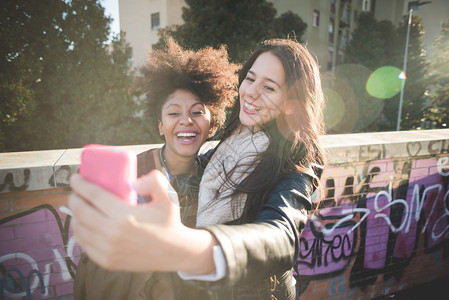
(187, 94)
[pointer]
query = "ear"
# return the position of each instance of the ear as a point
(290, 107)
(161, 127)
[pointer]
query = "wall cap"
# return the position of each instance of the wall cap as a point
(40, 170)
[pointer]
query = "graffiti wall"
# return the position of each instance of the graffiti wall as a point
(38, 255)
(379, 221)
(382, 226)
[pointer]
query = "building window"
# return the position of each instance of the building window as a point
(366, 4)
(330, 59)
(331, 30)
(339, 39)
(344, 39)
(316, 18)
(340, 58)
(155, 21)
(346, 14)
(333, 6)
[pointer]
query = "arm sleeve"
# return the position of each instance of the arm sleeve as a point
(270, 245)
(220, 268)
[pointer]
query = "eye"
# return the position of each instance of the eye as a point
(249, 78)
(197, 113)
(173, 114)
(269, 88)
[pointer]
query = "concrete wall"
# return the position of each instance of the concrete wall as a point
(384, 228)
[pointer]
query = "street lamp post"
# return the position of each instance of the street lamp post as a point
(412, 5)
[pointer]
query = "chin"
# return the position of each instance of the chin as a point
(189, 152)
(246, 120)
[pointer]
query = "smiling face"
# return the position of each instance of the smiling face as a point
(185, 124)
(263, 91)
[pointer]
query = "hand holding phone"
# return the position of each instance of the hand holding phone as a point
(111, 167)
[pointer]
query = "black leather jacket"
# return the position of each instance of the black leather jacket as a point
(261, 255)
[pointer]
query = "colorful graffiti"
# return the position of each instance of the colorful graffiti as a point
(38, 255)
(374, 215)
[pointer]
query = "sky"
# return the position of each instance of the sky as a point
(111, 9)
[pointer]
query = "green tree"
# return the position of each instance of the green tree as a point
(375, 44)
(72, 84)
(417, 68)
(240, 25)
(438, 111)
(26, 27)
(369, 42)
(289, 23)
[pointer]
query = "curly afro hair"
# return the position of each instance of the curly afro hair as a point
(207, 73)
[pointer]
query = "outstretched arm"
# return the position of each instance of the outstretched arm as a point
(147, 237)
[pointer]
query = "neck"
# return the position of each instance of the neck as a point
(179, 165)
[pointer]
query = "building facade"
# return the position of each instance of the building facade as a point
(141, 19)
(329, 22)
(329, 25)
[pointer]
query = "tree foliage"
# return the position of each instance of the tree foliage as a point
(62, 84)
(240, 25)
(438, 111)
(289, 23)
(379, 43)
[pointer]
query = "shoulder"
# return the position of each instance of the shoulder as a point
(205, 157)
(298, 186)
(146, 161)
(295, 181)
(298, 179)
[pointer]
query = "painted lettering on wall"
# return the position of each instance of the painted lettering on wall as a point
(374, 217)
(10, 184)
(38, 255)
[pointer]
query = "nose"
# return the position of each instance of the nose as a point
(186, 120)
(253, 90)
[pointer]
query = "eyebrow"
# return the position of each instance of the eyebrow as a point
(266, 78)
(200, 103)
(196, 103)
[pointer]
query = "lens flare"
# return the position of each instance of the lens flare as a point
(385, 82)
(335, 108)
(349, 108)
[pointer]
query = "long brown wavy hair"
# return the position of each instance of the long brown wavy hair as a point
(294, 136)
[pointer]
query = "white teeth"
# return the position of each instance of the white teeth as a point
(251, 107)
(186, 134)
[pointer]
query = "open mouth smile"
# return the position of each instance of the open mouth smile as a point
(251, 107)
(186, 136)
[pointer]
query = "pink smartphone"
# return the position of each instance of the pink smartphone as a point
(111, 167)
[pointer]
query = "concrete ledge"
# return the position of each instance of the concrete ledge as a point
(40, 170)
(345, 148)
